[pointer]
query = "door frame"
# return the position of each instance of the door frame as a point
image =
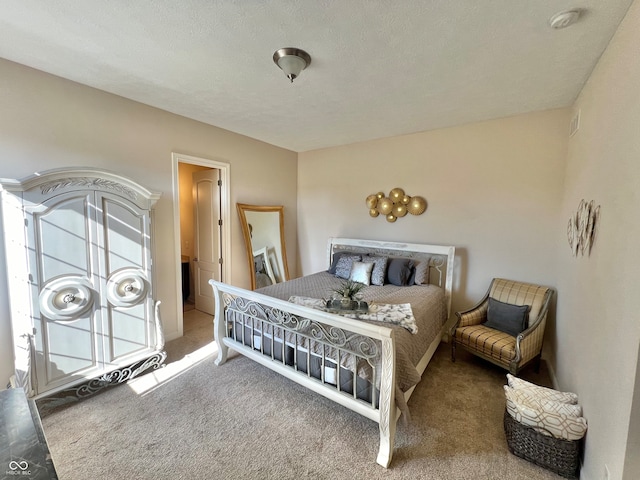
(225, 216)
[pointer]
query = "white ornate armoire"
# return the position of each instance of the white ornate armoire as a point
(78, 245)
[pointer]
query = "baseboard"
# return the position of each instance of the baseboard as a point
(447, 329)
(172, 336)
(552, 375)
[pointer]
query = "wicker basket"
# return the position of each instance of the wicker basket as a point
(555, 454)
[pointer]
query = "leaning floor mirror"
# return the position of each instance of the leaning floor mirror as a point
(263, 230)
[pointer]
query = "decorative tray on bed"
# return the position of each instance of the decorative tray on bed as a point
(342, 306)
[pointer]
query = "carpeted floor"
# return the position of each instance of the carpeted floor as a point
(193, 420)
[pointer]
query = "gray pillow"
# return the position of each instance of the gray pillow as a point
(399, 271)
(421, 271)
(345, 262)
(336, 257)
(507, 318)
(379, 268)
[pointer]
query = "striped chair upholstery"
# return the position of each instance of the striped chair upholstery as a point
(498, 347)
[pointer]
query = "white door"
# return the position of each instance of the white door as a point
(65, 290)
(207, 261)
(125, 265)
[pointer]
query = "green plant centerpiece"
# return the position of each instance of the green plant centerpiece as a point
(345, 294)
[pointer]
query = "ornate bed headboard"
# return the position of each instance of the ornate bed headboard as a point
(441, 257)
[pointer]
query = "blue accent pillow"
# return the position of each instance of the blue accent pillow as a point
(336, 257)
(379, 268)
(506, 317)
(345, 263)
(399, 271)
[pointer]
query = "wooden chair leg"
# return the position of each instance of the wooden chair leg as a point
(453, 350)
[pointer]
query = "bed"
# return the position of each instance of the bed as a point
(366, 360)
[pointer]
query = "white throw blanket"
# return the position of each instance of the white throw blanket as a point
(394, 313)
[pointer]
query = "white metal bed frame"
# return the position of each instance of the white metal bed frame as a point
(330, 331)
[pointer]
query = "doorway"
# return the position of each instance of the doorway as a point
(202, 213)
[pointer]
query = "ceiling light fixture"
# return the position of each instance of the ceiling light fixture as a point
(292, 61)
(564, 19)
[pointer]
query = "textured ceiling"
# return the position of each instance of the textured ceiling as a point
(379, 68)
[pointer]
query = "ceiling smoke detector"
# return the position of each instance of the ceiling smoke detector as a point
(564, 19)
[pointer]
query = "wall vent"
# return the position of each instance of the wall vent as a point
(575, 124)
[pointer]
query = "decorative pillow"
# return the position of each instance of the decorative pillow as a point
(379, 269)
(361, 272)
(421, 272)
(541, 392)
(399, 271)
(507, 318)
(345, 262)
(336, 258)
(557, 425)
(549, 406)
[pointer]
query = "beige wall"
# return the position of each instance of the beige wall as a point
(598, 326)
(493, 190)
(632, 456)
(47, 122)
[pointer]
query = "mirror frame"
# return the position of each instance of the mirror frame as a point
(242, 208)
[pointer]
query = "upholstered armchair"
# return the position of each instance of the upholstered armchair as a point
(507, 326)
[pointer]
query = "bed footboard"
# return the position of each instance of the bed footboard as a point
(345, 360)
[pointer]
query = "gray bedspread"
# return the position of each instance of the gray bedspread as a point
(427, 302)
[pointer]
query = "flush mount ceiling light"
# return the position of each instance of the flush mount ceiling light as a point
(564, 19)
(292, 61)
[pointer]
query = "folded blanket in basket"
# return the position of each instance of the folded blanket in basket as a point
(541, 392)
(527, 396)
(552, 418)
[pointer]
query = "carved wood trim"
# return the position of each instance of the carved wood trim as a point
(386, 386)
(89, 182)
